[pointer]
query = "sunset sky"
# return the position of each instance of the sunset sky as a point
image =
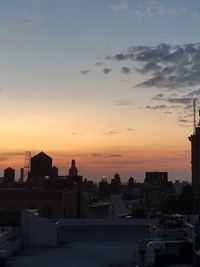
(107, 82)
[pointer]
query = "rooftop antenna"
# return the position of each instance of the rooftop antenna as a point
(194, 115)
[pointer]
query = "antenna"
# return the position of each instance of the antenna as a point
(194, 115)
(27, 162)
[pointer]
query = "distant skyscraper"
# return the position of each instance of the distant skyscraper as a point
(77, 181)
(195, 154)
(73, 171)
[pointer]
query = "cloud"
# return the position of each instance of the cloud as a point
(184, 100)
(85, 72)
(98, 63)
(29, 21)
(97, 155)
(184, 120)
(106, 71)
(125, 70)
(149, 67)
(169, 66)
(113, 155)
(180, 100)
(118, 7)
(158, 97)
(130, 129)
(124, 102)
(4, 156)
(114, 132)
(157, 107)
(194, 93)
(154, 8)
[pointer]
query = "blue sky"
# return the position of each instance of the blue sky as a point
(59, 67)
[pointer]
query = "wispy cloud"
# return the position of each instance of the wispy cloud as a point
(124, 102)
(8, 155)
(118, 7)
(130, 129)
(153, 8)
(111, 155)
(157, 107)
(113, 132)
(184, 120)
(29, 21)
(182, 100)
(85, 72)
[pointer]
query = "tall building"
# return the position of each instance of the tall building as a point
(195, 155)
(73, 171)
(77, 181)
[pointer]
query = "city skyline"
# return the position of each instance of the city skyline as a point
(109, 83)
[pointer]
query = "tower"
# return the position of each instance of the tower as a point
(195, 156)
(73, 171)
(76, 180)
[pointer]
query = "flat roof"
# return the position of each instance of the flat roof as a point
(78, 254)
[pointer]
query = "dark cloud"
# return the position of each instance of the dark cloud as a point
(106, 71)
(158, 97)
(149, 67)
(184, 100)
(130, 129)
(180, 100)
(125, 70)
(124, 102)
(85, 72)
(184, 120)
(170, 66)
(113, 156)
(121, 57)
(114, 132)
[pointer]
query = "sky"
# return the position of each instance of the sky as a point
(107, 82)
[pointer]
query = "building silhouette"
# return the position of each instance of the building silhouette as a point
(77, 180)
(9, 175)
(195, 161)
(41, 165)
(156, 178)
